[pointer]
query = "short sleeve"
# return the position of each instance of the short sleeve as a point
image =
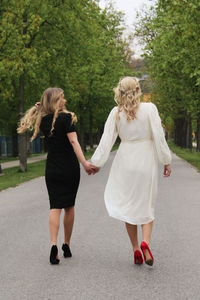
(69, 126)
(162, 148)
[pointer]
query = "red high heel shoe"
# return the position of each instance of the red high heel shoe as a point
(148, 257)
(138, 260)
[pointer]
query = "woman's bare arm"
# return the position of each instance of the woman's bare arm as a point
(89, 168)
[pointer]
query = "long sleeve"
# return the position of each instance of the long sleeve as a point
(162, 148)
(108, 139)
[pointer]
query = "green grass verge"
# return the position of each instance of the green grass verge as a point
(12, 176)
(7, 159)
(192, 157)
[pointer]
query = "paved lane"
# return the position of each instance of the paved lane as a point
(102, 264)
(15, 163)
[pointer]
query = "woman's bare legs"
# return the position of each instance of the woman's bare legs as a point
(146, 232)
(68, 222)
(54, 224)
(132, 232)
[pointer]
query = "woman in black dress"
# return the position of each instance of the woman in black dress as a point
(62, 174)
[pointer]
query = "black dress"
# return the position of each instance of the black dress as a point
(62, 174)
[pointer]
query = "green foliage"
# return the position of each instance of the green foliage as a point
(171, 34)
(71, 44)
(169, 123)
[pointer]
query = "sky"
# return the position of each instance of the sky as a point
(130, 7)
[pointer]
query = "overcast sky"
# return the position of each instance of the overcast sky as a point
(130, 7)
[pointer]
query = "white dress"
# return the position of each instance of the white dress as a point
(131, 190)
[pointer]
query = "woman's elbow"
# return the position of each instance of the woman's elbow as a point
(73, 141)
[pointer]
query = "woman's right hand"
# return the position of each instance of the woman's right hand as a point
(37, 104)
(167, 170)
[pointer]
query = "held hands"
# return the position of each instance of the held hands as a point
(90, 168)
(167, 171)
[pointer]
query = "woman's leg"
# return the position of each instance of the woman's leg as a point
(68, 222)
(54, 223)
(146, 232)
(132, 232)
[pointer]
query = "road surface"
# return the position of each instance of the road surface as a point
(102, 264)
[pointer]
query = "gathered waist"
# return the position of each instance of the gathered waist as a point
(137, 140)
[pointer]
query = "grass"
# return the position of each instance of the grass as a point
(7, 159)
(89, 153)
(192, 157)
(13, 177)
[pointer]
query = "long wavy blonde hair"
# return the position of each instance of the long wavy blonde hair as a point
(127, 96)
(50, 104)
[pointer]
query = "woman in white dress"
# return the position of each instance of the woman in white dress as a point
(131, 190)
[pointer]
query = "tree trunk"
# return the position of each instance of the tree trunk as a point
(99, 134)
(14, 141)
(23, 137)
(180, 132)
(23, 152)
(166, 135)
(82, 134)
(189, 134)
(184, 134)
(198, 134)
(91, 130)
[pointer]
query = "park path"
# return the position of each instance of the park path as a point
(30, 160)
(102, 264)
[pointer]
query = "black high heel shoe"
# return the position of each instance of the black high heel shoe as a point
(66, 250)
(53, 254)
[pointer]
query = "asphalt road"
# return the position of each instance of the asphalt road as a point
(102, 264)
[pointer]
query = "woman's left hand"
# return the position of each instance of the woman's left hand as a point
(90, 168)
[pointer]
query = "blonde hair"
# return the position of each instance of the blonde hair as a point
(127, 96)
(49, 104)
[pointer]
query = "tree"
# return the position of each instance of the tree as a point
(171, 34)
(71, 44)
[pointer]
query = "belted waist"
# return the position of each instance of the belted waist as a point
(137, 140)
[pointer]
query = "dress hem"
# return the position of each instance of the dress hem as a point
(66, 206)
(131, 222)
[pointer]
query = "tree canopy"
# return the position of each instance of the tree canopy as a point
(171, 36)
(70, 44)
